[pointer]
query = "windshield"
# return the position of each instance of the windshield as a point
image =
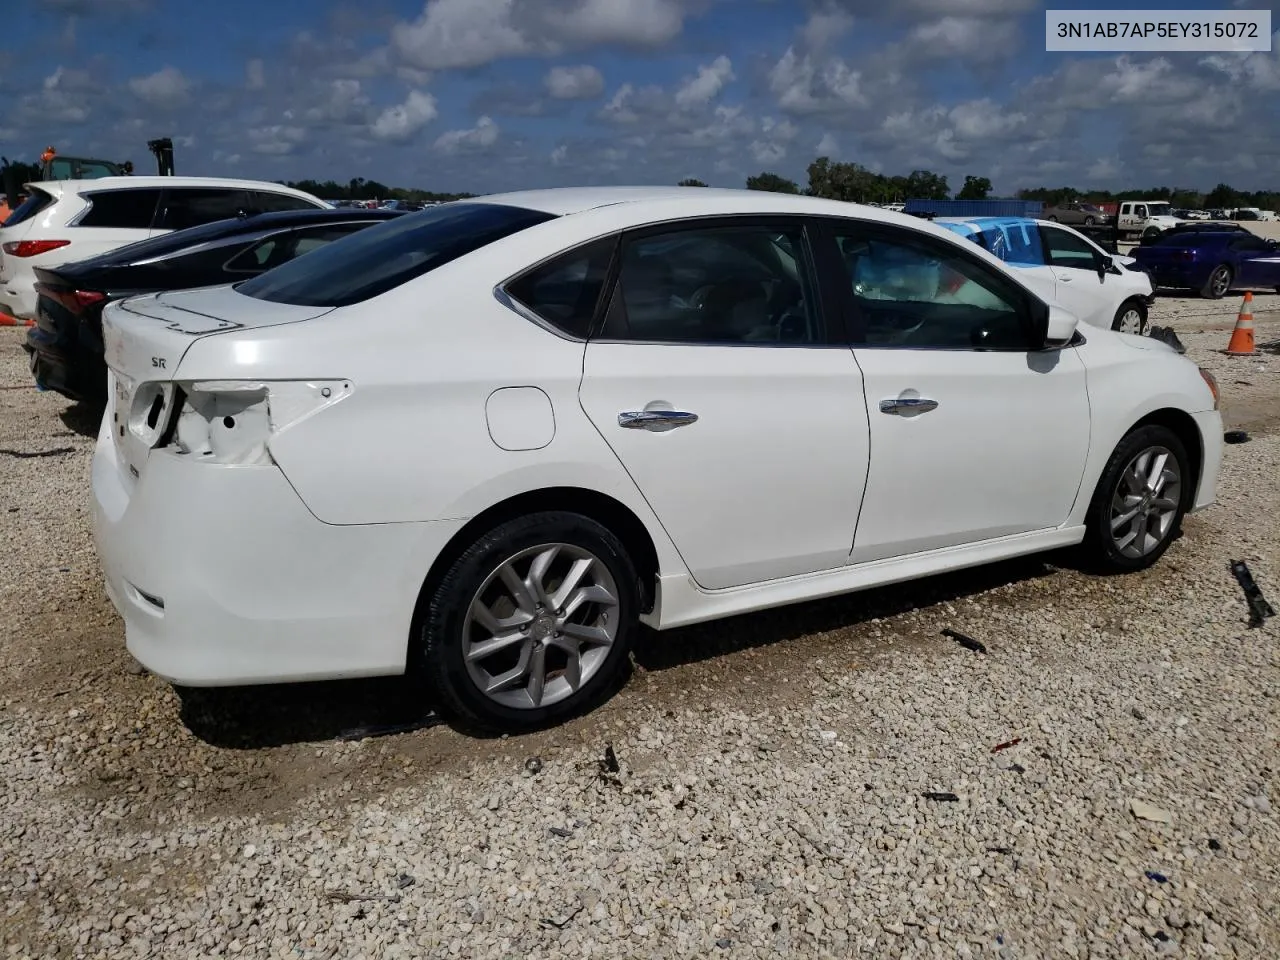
(381, 258)
(1159, 210)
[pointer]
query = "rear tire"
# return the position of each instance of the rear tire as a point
(1139, 503)
(1219, 283)
(554, 598)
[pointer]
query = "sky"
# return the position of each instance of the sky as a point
(491, 95)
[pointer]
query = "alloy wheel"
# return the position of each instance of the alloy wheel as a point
(1221, 279)
(1145, 502)
(540, 626)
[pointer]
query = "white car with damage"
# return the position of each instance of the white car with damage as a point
(482, 443)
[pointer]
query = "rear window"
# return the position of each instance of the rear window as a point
(1191, 238)
(383, 257)
(38, 201)
(124, 209)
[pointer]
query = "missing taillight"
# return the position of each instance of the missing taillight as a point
(153, 415)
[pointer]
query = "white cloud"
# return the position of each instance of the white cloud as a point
(344, 101)
(483, 135)
(574, 83)
(468, 33)
(254, 75)
(827, 146)
(559, 154)
(767, 151)
(968, 38)
(401, 122)
(803, 86)
(1258, 71)
(825, 27)
(167, 87)
(276, 139)
(706, 86)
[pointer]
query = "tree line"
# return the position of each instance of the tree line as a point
(358, 188)
(852, 182)
(834, 180)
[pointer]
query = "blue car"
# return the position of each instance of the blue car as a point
(1211, 262)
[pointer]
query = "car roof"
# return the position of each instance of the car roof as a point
(179, 240)
(151, 182)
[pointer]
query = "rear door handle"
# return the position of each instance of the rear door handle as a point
(656, 419)
(900, 405)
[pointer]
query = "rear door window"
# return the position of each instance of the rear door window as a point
(121, 209)
(275, 202)
(185, 207)
(382, 257)
(566, 291)
(34, 204)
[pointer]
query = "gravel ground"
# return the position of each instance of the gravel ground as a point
(769, 795)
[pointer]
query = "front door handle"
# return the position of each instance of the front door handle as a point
(656, 419)
(900, 405)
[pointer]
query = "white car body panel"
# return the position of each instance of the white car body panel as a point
(308, 562)
(735, 490)
(980, 466)
(54, 222)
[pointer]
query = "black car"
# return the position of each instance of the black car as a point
(65, 346)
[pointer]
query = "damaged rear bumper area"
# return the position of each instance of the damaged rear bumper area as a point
(207, 604)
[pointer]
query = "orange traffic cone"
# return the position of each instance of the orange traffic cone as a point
(1241, 344)
(8, 321)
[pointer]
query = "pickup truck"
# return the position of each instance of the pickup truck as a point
(1144, 218)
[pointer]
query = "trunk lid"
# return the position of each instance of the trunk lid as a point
(144, 340)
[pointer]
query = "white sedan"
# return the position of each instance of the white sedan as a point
(480, 444)
(1063, 265)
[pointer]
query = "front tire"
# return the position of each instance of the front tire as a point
(1130, 318)
(1139, 503)
(1089, 221)
(1218, 284)
(530, 625)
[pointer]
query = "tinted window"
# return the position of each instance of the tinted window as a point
(1185, 238)
(284, 246)
(1251, 245)
(909, 293)
(193, 206)
(385, 256)
(274, 202)
(1067, 250)
(127, 209)
(565, 291)
(35, 203)
(741, 284)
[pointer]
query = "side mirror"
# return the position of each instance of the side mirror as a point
(1061, 326)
